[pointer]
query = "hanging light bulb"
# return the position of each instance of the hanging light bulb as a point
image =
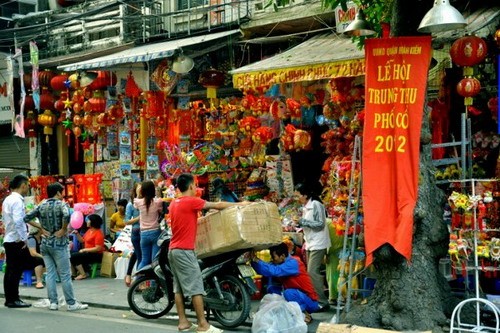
(441, 17)
(359, 27)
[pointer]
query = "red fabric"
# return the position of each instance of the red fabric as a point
(302, 281)
(396, 79)
(92, 238)
(439, 118)
(183, 221)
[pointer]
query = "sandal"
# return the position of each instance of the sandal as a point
(128, 280)
(81, 277)
(191, 328)
(39, 285)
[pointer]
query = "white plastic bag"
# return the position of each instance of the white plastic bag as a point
(121, 266)
(276, 315)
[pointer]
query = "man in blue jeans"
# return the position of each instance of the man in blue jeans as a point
(296, 284)
(54, 216)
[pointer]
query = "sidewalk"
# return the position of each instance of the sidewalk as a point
(111, 293)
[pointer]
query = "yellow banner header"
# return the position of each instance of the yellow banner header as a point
(254, 79)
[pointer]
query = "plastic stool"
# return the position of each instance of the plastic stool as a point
(368, 286)
(93, 270)
(28, 277)
(75, 244)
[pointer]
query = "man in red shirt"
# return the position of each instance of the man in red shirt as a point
(292, 273)
(183, 262)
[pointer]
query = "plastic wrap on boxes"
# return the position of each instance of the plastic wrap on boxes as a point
(257, 225)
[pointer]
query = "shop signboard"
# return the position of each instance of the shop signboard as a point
(344, 17)
(6, 95)
(396, 78)
(313, 72)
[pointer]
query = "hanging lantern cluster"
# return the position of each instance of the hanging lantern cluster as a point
(467, 52)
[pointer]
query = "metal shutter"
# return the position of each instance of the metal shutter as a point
(14, 153)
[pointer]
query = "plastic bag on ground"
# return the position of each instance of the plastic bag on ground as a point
(276, 315)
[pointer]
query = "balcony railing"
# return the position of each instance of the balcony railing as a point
(109, 23)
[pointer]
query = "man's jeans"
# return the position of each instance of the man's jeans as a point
(56, 260)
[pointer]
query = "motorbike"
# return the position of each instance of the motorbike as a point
(226, 278)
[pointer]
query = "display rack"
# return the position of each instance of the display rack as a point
(457, 324)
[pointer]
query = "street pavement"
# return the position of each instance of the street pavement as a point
(109, 293)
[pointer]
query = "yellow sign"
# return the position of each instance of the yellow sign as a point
(346, 68)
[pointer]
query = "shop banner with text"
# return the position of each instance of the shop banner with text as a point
(396, 78)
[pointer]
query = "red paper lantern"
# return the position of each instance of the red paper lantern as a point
(27, 81)
(46, 100)
(468, 51)
(30, 124)
(98, 102)
(211, 79)
(45, 77)
(57, 82)
(59, 105)
(29, 103)
(468, 87)
(87, 188)
(155, 103)
(104, 79)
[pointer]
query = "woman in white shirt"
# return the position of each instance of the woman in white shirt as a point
(317, 237)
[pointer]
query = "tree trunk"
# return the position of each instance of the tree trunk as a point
(412, 295)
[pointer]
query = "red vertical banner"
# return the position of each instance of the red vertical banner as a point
(396, 80)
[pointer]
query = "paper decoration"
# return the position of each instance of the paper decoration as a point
(279, 175)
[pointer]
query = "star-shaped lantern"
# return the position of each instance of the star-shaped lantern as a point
(67, 123)
(67, 103)
(85, 144)
(84, 136)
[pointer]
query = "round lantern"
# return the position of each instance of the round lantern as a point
(59, 105)
(47, 119)
(44, 78)
(27, 81)
(104, 79)
(58, 82)
(46, 100)
(211, 79)
(98, 103)
(29, 103)
(468, 88)
(468, 51)
(30, 124)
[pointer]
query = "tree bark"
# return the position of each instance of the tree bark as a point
(412, 295)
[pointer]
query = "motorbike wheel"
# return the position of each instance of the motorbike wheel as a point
(233, 287)
(147, 299)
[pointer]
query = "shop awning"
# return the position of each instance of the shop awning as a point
(324, 56)
(146, 52)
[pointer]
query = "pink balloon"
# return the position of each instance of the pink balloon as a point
(84, 207)
(76, 220)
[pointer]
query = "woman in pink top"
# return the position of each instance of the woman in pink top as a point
(149, 211)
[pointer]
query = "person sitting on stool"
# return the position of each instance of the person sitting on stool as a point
(34, 240)
(93, 248)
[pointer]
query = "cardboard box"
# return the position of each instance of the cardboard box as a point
(257, 225)
(108, 264)
(347, 328)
